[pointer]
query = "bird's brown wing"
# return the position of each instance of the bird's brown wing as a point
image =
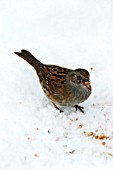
(54, 82)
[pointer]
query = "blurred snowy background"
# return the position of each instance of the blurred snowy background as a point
(69, 33)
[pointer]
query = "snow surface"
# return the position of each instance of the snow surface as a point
(69, 33)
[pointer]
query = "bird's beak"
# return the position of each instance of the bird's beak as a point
(87, 83)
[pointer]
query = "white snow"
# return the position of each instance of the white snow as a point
(69, 33)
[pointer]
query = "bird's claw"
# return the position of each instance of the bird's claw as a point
(79, 107)
(57, 108)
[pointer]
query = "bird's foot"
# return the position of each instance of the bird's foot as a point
(57, 107)
(79, 107)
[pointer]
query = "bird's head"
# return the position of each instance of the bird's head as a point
(81, 77)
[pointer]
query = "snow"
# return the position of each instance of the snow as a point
(69, 33)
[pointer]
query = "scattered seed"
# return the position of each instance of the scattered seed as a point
(102, 136)
(36, 155)
(90, 134)
(91, 68)
(103, 143)
(96, 137)
(49, 131)
(80, 126)
(71, 121)
(72, 152)
(84, 132)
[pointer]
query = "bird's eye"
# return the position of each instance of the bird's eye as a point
(83, 81)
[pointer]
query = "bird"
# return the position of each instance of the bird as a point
(63, 86)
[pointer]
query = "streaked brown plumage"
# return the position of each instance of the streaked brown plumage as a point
(62, 86)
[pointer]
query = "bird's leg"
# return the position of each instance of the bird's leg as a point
(79, 107)
(57, 107)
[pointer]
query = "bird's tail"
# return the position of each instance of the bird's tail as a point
(26, 55)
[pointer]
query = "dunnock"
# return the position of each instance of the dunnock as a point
(62, 86)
